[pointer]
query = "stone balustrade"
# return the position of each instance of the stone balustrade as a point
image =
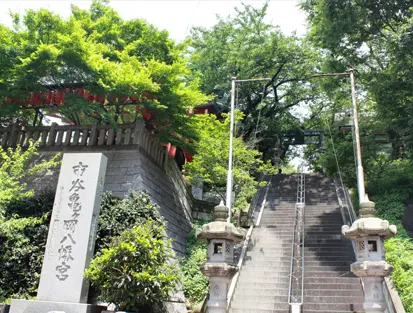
(66, 137)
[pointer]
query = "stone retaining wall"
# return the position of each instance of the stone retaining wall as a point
(132, 168)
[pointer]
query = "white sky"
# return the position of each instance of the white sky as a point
(175, 16)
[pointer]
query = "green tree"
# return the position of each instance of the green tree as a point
(109, 57)
(375, 38)
(247, 47)
(211, 161)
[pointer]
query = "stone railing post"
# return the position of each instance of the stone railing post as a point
(138, 132)
(220, 266)
(52, 135)
(369, 233)
(12, 137)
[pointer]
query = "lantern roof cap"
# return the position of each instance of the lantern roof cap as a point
(220, 228)
(369, 226)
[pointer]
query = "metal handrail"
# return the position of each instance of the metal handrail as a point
(344, 201)
(254, 201)
(297, 246)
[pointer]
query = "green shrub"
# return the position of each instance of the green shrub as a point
(134, 272)
(399, 253)
(399, 250)
(118, 214)
(23, 236)
(194, 283)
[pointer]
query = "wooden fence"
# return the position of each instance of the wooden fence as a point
(68, 136)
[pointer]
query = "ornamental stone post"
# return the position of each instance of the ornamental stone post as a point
(220, 266)
(369, 233)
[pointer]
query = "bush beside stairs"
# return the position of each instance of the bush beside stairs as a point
(329, 286)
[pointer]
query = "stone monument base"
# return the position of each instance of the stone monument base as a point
(36, 306)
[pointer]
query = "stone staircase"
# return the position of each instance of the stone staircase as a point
(264, 279)
(329, 286)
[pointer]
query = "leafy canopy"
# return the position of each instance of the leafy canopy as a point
(109, 57)
(245, 46)
(375, 38)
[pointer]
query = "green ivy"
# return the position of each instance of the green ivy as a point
(194, 283)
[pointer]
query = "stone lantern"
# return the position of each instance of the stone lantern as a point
(220, 266)
(369, 233)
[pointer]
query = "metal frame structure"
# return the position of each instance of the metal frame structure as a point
(234, 81)
(296, 288)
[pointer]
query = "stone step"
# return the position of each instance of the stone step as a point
(279, 270)
(332, 293)
(333, 307)
(326, 263)
(315, 225)
(324, 227)
(337, 242)
(326, 216)
(231, 310)
(264, 285)
(329, 274)
(330, 280)
(354, 285)
(325, 258)
(343, 253)
(260, 305)
(282, 219)
(327, 246)
(268, 243)
(261, 298)
(313, 232)
(325, 237)
(277, 219)
(261, 292)
(333, 299)
(281, 282)
(276, 230)
(257, 272)
(276, 254)
(267, 246)
(270, 238)
(317, 222)
(318, 311)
